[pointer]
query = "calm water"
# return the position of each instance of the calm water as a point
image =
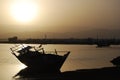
(81, 57)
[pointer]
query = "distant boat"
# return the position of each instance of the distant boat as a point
(103, 43)
(36, 58)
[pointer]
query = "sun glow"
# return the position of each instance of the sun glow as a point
(24, 11)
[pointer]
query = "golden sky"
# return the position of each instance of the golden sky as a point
(58, 16)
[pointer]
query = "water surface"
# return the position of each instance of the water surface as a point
(81, 57)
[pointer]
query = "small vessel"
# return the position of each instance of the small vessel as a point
(39, 59)
(116, 61)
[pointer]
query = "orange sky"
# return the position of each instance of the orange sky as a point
(62, 16)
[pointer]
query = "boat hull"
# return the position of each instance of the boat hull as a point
(44, 62)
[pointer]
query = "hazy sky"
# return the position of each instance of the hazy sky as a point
(63, 18)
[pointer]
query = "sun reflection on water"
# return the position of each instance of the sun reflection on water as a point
(22, 66)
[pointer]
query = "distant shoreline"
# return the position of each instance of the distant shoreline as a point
(87, 41)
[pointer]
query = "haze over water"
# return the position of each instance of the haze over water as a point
(81, 57)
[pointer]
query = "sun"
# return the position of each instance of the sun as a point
(24, 11)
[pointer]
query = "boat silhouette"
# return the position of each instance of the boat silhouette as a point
(38, 59)
(116, 61)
